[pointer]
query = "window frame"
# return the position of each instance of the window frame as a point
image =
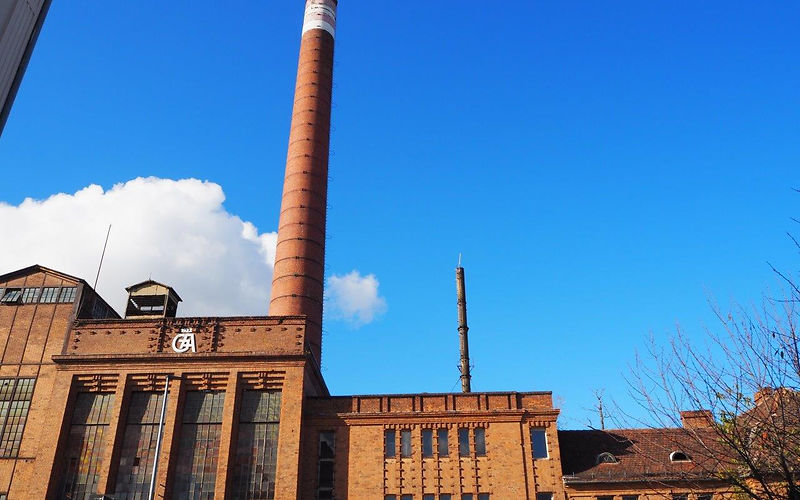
(387, 441)
(22, 416)
(543, 432)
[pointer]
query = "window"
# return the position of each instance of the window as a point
(630, 497)
(15, 400)
(445, 496)
(406, 497)
(680, 496)
(539, 443)
(466, 496)
(441, 436)
(463, 442)
(606, 458)
(30, 295)
(405, 443)
(390, 497)
(390, 443)
(11, 295)
(198, 448)
(605, 497)
(253, 467)
(138, 445)
(480, 442)
(483, 496)
(67, 295)
(327, 449)
(678, 456)
(84, 450)
(544, 496)
(427, 443)
(428, 497)
(49, 295)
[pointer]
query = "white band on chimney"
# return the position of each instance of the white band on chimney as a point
(320, 14)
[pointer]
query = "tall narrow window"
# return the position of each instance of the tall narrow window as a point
(327, 452)
(30, 295)
(390, 443)
(84, 451)
(441, 436)
(427, 443)
(480, 442)
(257, 446)
(67, 294)
(15, 401)
(49, 294)
(198, 449)
(405, 443)
(138, 446)
(539, 443)
(11, 295)
(463, 442)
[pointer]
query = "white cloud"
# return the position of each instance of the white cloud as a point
(176, 232)
(354, 298)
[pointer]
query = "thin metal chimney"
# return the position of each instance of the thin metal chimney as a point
(463, 328)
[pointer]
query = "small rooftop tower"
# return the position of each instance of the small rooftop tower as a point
(150, 299)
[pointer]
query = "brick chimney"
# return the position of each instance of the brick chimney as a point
(697, 419)
(300, 257)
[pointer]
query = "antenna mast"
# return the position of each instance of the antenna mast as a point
(463, 328)
(102, 256)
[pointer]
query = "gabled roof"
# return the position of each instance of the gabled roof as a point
(36, 268)
(642, 454)
(153, 282)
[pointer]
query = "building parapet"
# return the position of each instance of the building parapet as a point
(189, 338)
(412, 404)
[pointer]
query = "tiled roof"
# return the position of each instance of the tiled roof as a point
(642, 454)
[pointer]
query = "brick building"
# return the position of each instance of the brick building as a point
(246, 412)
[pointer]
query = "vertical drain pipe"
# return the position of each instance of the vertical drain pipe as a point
(152, 492)
(463, 328)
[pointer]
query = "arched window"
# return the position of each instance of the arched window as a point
(606, 458)
(679, 456)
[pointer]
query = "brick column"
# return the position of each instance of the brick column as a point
(289, 444)
(113, 438)
(227, 441)
(168, 443)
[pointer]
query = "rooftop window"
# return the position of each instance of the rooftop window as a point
(606, 458)
(11, 296)
(679, 456)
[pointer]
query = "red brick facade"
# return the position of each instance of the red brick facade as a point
(247, 413)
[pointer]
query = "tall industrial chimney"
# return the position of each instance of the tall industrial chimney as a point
(299, 274)
(461, 293)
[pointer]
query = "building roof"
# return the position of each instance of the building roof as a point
(36, 268)
(641, 454)
(153, 282)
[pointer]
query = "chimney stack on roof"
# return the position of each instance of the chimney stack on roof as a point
(297, 283)
(697, 419)
(461, 293)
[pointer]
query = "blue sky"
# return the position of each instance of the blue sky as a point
(604, 167)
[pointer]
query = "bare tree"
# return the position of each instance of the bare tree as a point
(747, 374)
